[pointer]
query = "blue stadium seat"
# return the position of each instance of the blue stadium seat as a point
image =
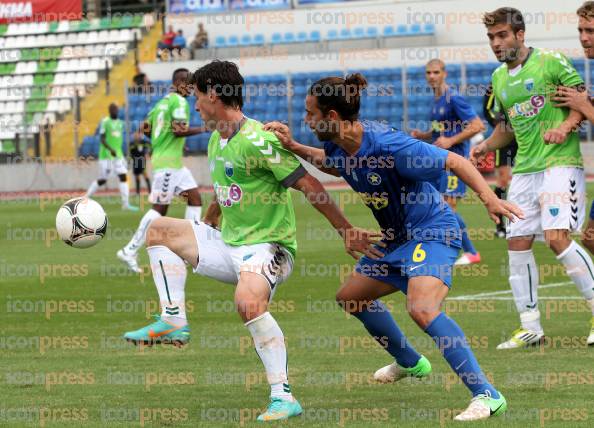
(246, 40)
(388, 30)
(429, 29)
(314, 36)
(372, 32)
(402, 30)
(332, 34)
(345, 33)
(259, 39)
(359, 32)
(233, 41)
(276, 38)
(289, 38)
(302, 36)
(220, 41)
(415, 29)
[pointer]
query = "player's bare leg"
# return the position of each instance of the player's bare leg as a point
(424, 299)
(470, 255)
(359, 296)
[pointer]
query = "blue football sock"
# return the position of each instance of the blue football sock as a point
(452, 343)
(379, 322)
(467, 245)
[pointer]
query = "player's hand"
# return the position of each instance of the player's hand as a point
(571, 98)
(497, 207)
(282, 132)
(415, 133)
(444, 142)
(477, 153)
(555, 136)
(359, 241)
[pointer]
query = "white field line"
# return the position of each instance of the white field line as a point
(480, 296)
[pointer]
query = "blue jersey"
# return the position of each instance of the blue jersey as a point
(449, 116)
(390, 172)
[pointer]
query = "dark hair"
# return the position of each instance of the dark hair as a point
(174, 76)
(340, 95)
(224, 79)
(586, 10)
(505, 15)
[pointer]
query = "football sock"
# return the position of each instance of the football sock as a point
(379, 322)
(523, 279)
(137, 178)
(269, 342)
(450, 339)
(124, 193)
(92, 189)
(467, 245)
(169, 274)
(193, 213)
(139, 237)
(148, 184)
(578, 265)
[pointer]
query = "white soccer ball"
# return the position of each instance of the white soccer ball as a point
(81, 222)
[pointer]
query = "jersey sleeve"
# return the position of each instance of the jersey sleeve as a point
(102, 126)
(561, 71)
(271, 155)
(463, 110)
(180, 109)
(415, 159)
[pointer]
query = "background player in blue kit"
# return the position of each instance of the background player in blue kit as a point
(391, 171)
(453, 123)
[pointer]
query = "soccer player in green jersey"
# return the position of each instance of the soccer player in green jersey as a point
(548, 181)
(580, 100)
(167, 125)
(111, 156)
(256, 244)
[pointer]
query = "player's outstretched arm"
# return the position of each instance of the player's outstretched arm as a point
(466, 172)
(356, 241)
(181, 129)
(474, 127)
(501, 137)
(315, 156)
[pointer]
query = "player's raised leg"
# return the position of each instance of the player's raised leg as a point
(424, 298)
(359, 296)
(168, 246)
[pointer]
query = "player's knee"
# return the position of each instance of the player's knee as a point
(101, 182)
(157, 232)
(345, 301)
(421, 315)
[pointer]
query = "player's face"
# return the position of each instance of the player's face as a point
(182, 87)
(320, 124)
(435, 75)
(586, 30)
(504, 43)
(205, 106)
(113, 111)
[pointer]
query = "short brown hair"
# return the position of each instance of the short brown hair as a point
(505, 15)
(586, 10)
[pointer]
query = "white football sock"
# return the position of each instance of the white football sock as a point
(169, 274)
(92, 189)
(139, 237)
(523, 279)
(193, 213)
(270, 346)
(124, 193)
(579, 267)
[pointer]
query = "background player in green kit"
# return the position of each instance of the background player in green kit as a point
(167, 127)
(548, 181)
(256, 244)
(111, 156)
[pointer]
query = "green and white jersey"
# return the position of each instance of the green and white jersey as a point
(524, 97)
(113, 129)
(251, 173)
(167, 148)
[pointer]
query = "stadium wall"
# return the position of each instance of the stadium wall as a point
(76, 176)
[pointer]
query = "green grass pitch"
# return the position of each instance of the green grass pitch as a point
(63, 363)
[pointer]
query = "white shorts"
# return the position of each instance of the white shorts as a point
(170, 182)
(551, 199)
(224, 262)
(109, 167)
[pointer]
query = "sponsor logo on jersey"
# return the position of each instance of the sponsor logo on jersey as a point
(527, 108)
(375, 200)
(228, 195)
(374, 178)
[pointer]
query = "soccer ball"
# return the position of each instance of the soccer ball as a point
(81, 222)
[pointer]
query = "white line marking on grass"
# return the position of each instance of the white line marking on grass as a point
(511, 298)
(503, 292)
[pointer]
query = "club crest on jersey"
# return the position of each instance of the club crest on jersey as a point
(228, 195)
(529, 84)
(374, 178)
(228, 169)
(554, 211)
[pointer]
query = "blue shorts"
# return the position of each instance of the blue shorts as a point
(451, 185)
(414, 258)
(592, 211)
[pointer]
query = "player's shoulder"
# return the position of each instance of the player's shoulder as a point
(498, 72)
(253, 133)
(384, 135)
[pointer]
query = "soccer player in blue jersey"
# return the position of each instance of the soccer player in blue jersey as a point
(453, 123)
(391, 172)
